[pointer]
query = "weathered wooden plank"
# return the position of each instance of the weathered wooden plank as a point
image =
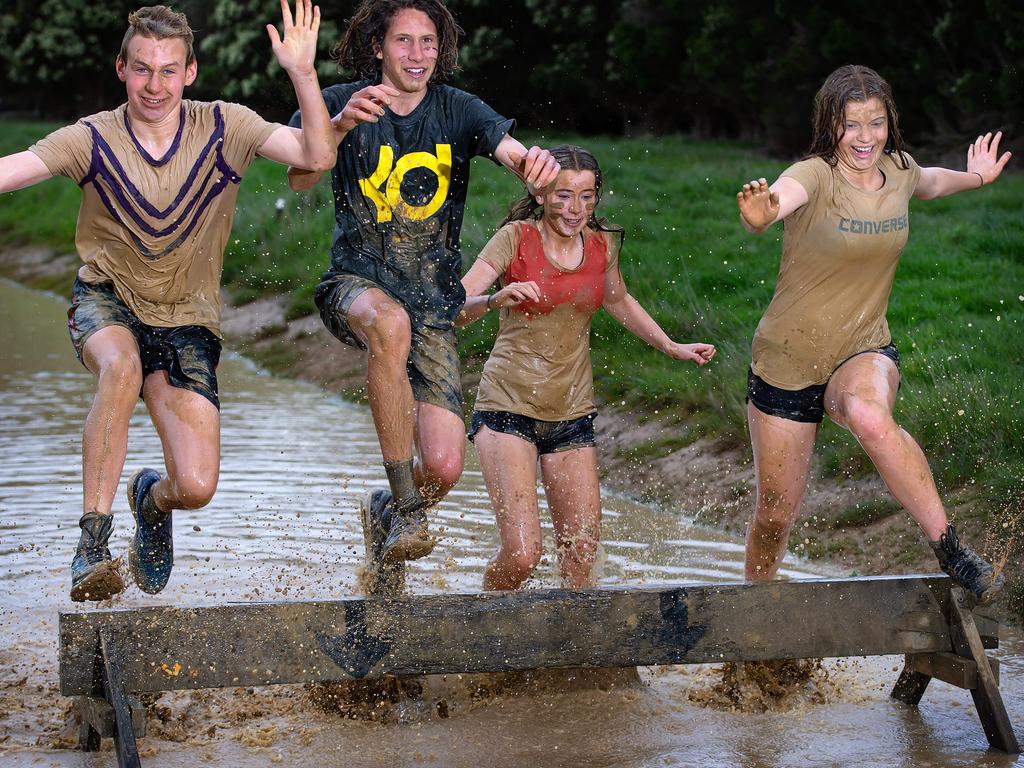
(910, 686)
(950, 668)
(987, 699)
(99, 715)
(268, 643)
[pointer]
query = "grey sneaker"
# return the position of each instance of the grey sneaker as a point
(966, 567)
(94, 575)
(408, 538)
(375, 512)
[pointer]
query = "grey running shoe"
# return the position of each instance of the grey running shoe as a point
(966, 567)
(375, 512)
(151, 553)
(94, 576)
(408, 538)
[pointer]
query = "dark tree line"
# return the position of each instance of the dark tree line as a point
(718, 68)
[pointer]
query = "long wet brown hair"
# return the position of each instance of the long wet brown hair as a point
(365, 32)
(851, 83)
(571, 158)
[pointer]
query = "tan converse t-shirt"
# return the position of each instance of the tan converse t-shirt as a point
(156, 227)
(540, 364)
(839, 256)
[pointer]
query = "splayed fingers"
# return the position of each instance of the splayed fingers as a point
(983, 157)
(759, 206)
(296, 50)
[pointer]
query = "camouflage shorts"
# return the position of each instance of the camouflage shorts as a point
(433, 364)
(189, 353)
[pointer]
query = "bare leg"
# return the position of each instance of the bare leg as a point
(189, 429)
(441, 445)
(113, 357)
(574, 497)
(782, 458)
(509, 464)
(383, 325)
(860, 397)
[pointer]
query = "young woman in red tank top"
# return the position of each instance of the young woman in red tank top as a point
(557, 265)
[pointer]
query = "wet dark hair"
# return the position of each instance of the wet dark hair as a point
(365, 32)
(851, 83)
(571, 158)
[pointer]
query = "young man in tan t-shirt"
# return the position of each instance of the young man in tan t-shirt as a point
(159, 178)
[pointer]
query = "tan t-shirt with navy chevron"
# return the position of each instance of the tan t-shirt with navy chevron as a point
(156, 227)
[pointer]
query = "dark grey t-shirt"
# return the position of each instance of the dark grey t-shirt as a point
(400, 193)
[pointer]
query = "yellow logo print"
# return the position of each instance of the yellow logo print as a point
(384, 186)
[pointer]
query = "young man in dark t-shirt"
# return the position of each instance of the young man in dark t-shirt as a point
(393, 288)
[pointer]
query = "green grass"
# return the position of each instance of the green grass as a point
(956, 311)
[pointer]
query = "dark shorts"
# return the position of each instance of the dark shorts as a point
(806, 405)
(548, 436)
(189, 353)
(433, 364)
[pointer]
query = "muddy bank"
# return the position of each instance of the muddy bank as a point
(852, 523)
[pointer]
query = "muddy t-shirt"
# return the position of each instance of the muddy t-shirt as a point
(400, 192)
(156, 227)
(540, 364)
(839, 256)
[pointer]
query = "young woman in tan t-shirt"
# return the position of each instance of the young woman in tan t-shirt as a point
(823, 345)
(557, 265)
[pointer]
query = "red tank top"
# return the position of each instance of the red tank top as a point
(583, 286)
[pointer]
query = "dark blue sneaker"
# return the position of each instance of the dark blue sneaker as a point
(94, 576)
(966, 567)
(151, 554)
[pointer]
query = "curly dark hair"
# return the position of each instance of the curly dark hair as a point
(571, 158)
(365, 31)
(855, 83)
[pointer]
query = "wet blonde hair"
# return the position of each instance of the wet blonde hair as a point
(158, 22)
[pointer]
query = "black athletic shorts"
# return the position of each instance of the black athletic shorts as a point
(548, 436)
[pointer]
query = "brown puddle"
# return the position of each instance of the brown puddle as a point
(284, 526)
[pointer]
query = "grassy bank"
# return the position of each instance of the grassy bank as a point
(957, 310)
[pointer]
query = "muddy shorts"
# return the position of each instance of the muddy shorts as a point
(189, 353)
(548, 436)
(806, 405)
(433, 364)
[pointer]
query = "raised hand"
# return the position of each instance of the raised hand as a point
(982, 157)
(364, 106)
(296, 52)
(538, 169)
(759, 206)
(698, 353)
(515, 294)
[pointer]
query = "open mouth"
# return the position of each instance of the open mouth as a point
(416, 72)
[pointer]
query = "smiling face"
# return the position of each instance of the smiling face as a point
(409, 51)
(863, 134)
(155, 75)
(570, 203)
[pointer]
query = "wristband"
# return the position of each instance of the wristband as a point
(489, 297)
(980, 177)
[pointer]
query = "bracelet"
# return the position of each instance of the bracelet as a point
(980, 177)
(489, 297)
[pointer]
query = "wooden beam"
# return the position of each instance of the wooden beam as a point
(116, 695)
(269, 643)
(950, 668)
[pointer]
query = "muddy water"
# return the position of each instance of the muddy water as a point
(283, 525)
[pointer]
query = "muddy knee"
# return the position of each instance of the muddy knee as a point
(869, 420)
(390, 333)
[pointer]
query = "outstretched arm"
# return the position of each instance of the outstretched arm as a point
(983, 167)
(313, 145)
(535, 167)
(21, 170)
(761, 205)
(635, 319)
(480, 277)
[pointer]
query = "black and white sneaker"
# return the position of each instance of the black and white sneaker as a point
(967, 568)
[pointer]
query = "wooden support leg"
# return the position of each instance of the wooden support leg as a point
(987, 699)
(911, 685)
(113, 690)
